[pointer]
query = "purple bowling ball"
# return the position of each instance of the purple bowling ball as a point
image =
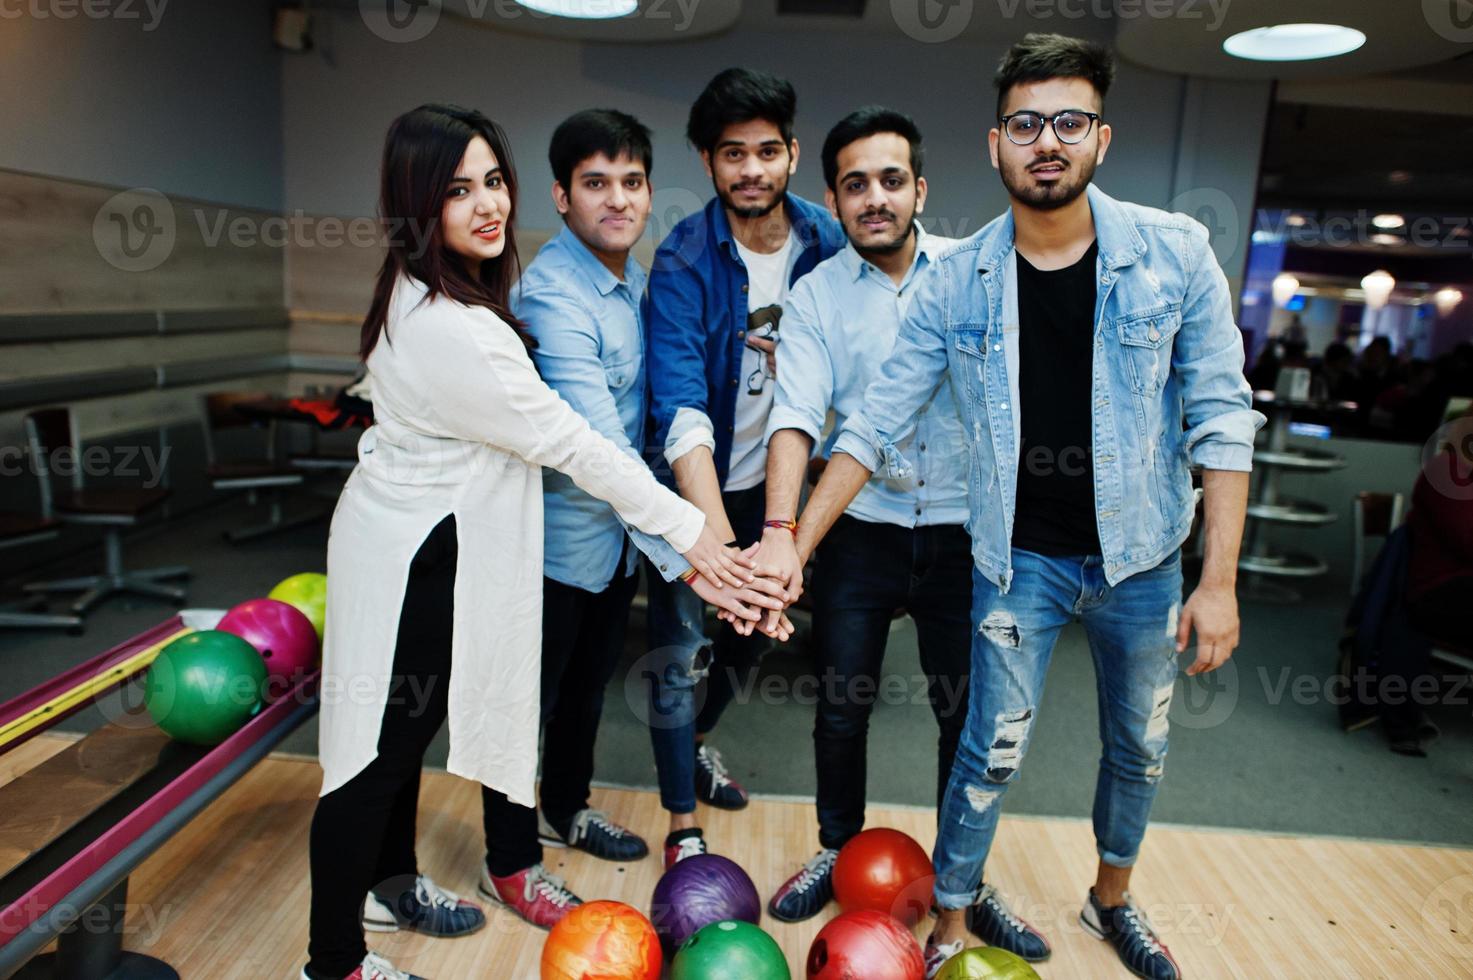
(698, 891)
(282, 635)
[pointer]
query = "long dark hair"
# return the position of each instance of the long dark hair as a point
(421, 153)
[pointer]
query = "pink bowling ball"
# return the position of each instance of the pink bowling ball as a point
(282, 635)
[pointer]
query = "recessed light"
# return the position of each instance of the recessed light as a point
(1388, 221)
(1381, 238)
(1399, 177)
(1296, 221)
(583, 9)
(1294, 42)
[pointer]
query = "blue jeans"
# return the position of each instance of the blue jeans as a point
(865, 572)
(1131, 630)
(681, 656)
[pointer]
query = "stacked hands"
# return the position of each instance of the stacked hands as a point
(750, 587)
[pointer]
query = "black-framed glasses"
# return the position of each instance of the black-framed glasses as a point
(1070, 126)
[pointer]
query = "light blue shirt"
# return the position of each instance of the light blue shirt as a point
(590, 350)
(838, 327)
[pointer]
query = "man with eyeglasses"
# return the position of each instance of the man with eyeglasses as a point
(715, 299)
(1091, 348)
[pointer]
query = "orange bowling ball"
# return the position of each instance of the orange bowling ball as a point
(887, 871)
(602, 941)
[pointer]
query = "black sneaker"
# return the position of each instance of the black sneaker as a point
(991, 921)
(803, 895)
(594, 832)
(1125, 928)
(713, 785)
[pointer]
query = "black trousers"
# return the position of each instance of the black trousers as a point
(363, 832)
(582, 640)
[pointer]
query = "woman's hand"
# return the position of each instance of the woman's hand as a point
(743, 605)
(775, 625)
(718, 565)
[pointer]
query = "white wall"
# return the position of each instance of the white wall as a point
(1194, 142)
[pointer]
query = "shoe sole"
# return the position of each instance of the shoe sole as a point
(1031, 959)
(1089, 928)
(557, 842)
(802, 918)
(727, 806)
(378, 925)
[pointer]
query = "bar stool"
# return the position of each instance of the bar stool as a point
(18, 531)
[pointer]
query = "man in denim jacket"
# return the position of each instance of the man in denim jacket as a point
(1091, 347)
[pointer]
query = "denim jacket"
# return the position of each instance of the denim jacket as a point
(1168, 389)
(697, 319)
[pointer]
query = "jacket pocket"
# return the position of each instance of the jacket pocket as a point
(1147, 341)
(969, 355)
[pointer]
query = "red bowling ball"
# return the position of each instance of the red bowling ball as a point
(884, 870)
(865, 945)
(282, 634)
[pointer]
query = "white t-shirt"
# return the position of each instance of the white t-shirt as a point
(767, 285)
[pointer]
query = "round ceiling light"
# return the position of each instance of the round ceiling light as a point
(1293, 42)
(583, 9)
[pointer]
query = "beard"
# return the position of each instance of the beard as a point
(728, 198)
(1048, 197)
(885, 247)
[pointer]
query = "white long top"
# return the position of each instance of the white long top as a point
(462, 425)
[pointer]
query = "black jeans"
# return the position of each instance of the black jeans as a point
(363, 832)
(582, 639)
(865, 572)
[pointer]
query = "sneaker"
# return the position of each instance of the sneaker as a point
(991, 921)
(425, 908)
(681, 844)
(803, 895)
(594, 832)
(540, 898)
(713, 785)
(1134, 939)
(936, 954)
(373, 967)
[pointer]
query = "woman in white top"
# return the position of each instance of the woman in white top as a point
(435, 556)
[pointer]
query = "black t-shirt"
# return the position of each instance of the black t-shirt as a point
(1055, 512)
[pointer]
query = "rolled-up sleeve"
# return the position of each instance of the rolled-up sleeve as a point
(674, 318)
(906, 383)
(805, 372)
(1207, 360)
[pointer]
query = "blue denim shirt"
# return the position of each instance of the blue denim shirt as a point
(590, 350)
(1168, 389)
(697, 317)
(838, 326)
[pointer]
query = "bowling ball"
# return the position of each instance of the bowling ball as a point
(730, 951)
(865, 945)
(884, 870)
(308, 592)
(204, 686)
(986, 963)
(698, 891)
(602, 941)
(282, 635)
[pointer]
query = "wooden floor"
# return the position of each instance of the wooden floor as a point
(228, 897)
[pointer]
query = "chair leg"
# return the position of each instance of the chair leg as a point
(20, 620)
(95, 588)
(92, 597)
(79, 584)
(144, 586)
(165, 571)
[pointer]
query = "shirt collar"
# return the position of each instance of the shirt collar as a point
(927, 248)
(598, 274)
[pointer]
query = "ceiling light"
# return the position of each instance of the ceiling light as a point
(1447, 299)
(1388, 221)
(1296, 221)
(1285, 286)
(1382, 238)
(583, 9)
(1378, 286)
(1294, 42)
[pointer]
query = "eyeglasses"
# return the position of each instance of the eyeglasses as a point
(1070, 126)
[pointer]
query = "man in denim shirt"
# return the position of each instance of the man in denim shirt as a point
(580, 299)
(715, 298)
(1091, 348)
(902, 543)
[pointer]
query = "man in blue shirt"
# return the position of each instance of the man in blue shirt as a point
(715, 299)
(1091, 348)
(580, 300)
(902, 543)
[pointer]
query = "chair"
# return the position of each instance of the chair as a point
(113, 509)
(261, 472)
(1374, 514)
(19, 531)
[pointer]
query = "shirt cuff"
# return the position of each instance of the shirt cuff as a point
(1225, 442)
(862, 441)
(691, 429)
(787, 417)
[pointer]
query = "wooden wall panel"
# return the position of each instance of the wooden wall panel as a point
(33, 361)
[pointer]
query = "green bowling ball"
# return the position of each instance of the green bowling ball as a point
(730, 951)
(308, 592)
(986, 963)
(204, 686)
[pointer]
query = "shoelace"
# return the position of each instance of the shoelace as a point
(710, 760)
(549, 886)
(429, 893)
(690, 847)
(1142, 929)
(939, 953)
(596, 818)
(815, 870)
(995, 903)
(375, 967)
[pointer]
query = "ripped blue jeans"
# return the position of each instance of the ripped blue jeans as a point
(1131, 629)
